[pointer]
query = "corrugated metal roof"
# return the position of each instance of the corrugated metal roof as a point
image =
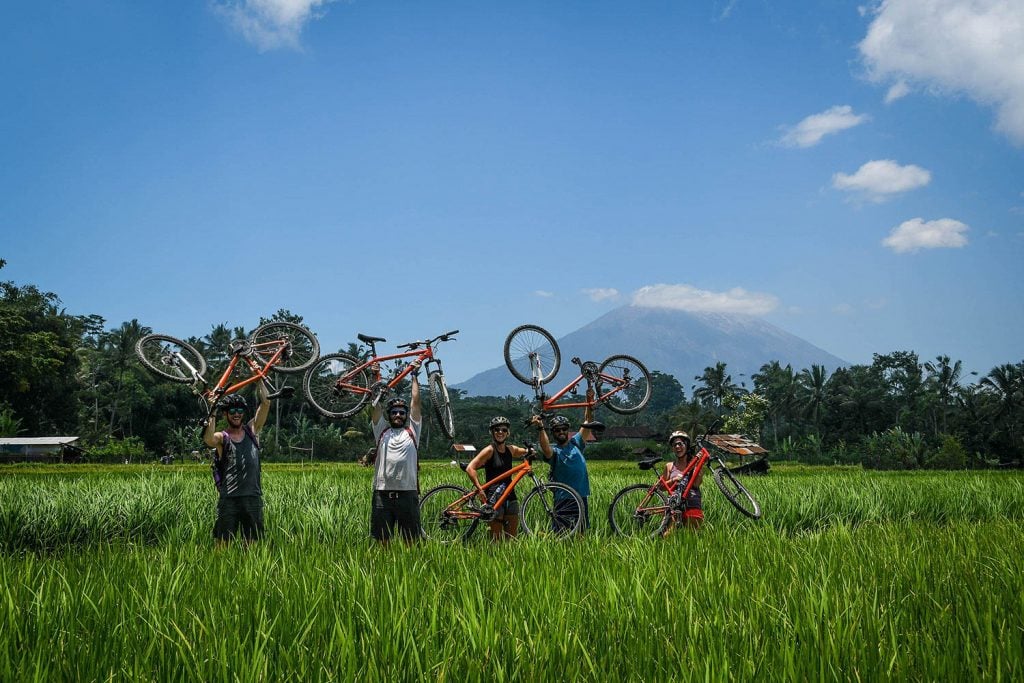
(37, 440)
(735, 443)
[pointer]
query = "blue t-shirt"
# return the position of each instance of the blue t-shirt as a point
(568, 466)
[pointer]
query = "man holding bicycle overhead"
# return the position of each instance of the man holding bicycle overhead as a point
(565, 455)
(395, 475)
(237, 468)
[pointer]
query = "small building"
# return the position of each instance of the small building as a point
(40, 449)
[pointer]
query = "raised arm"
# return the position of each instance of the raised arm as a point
(211, 437)
(260, 418)
(588, 416)
(542, 437)
(414, 405)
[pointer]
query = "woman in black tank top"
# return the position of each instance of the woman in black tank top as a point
(496, 459)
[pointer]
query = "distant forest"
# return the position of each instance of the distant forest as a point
(64, 374)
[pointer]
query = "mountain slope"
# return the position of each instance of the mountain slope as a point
(675, 342)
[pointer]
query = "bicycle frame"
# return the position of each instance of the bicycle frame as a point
(425, 355)
(222, 388)
(591, 375)
(515, 474)
(692, 469)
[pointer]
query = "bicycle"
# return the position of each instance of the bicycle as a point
(339, 384)
(620, 382)
(646, 510)
(273, 347)
(449, 513)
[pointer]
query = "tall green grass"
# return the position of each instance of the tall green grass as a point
(851, 575)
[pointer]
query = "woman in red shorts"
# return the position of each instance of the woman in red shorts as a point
(692, 514)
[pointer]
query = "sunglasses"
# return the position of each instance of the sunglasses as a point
(236, 411)
(395, 413)
(560, 429)
(500, 430)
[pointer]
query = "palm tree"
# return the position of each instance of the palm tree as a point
(1006, 385)
(813, 393)
(778, 385)
(717, 384)
(944, 381)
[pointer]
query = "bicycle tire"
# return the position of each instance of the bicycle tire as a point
(435, 521)
(158, 355)
(441, 403)
(632, 372)
(319, 385)
(544, 516)
(736, 493)
(305, 347)
(526, 341)
(627, 518)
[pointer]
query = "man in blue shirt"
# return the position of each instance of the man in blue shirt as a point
(565, 455)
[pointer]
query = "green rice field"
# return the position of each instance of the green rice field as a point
(109, 573)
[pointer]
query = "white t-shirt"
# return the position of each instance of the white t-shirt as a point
(397, 455)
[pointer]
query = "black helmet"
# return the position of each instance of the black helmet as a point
(499, 421)
(397, 402)
(558, 421)
(233, 401)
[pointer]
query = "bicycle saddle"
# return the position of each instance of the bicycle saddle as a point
(369, 340)
(594, 426)
(647, 463)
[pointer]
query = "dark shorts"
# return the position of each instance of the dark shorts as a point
(239, 514)
(395, 511)
(509, 509)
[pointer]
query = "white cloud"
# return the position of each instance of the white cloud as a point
(270, 24)
(543, 293)
(882, 178)
(601, 293)
(952, 46)
(689, 298)
(917, 234)
(896, 91)
(811, 130)
(843, 309)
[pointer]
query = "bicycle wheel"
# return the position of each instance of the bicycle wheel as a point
(632, 380)
(320, 385)
(170, 357)
(532, 355)
(737, 494)
(552, 510)
(439, 515)
(441, 403)
(304, 346)
(633, 512)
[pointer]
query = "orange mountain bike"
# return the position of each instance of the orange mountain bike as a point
(274, 347)
(339, 385)
(647, 509)
(620, 382)
(450, 513)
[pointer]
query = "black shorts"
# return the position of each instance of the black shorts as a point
(243, 513)
(395, 510)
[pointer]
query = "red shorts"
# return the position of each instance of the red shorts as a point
(693, 513)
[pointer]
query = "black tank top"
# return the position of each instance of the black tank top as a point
(497, 465)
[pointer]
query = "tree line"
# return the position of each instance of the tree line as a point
(66, 374)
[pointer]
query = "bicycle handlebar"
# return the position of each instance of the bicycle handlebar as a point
(427, 342)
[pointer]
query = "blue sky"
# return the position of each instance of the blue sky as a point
(853, 172)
